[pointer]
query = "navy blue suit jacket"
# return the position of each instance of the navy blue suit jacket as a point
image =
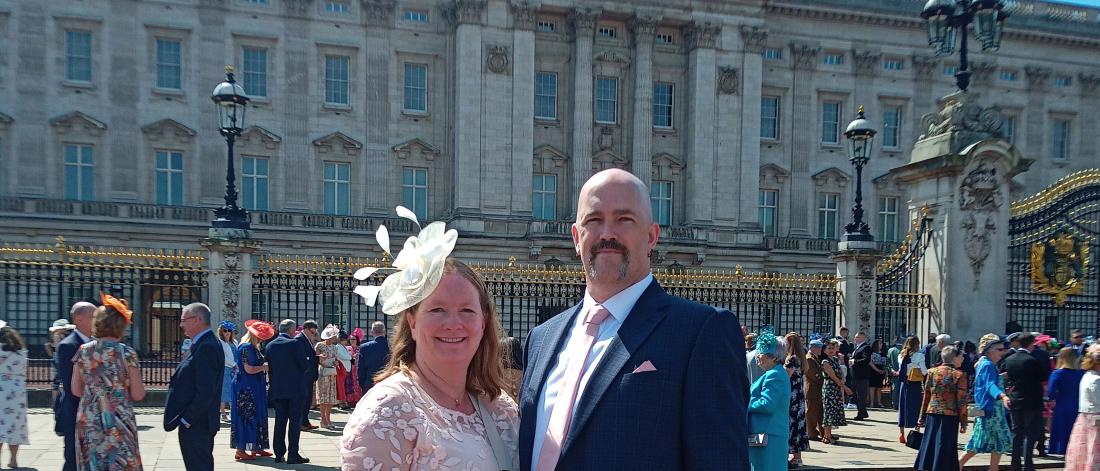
(309, 349)
(194, 393)
(287, 365)
(65, 419)
(689, 414)
(373, 356)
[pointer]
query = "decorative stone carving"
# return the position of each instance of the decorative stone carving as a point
(804, 56)
(607, 159)
(1089, 82)
(548, 159)
(583, 21)
(611, 57)
(256, 135)
(166, 128)
(1059, 265)
(728, 80)
(772, 174)
(1037, 77)
(497, 59)
(416, 148)
(466, 12)
(524, 15)
(866, 62)
(643, 27)
(77, 121)
(337, 140)
(701, 35)
(753, 39)
(379, 12)
(981, 189)
(232, 260)
(982, 71)
(978, 241)
(666, 167)
(969, 121)
(925, 66)
(231, 295)
(866, 297)
(605, 139)
(297, 7)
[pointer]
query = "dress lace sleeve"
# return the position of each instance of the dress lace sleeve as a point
(382, 433)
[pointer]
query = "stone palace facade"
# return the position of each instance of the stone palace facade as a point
(491, 114)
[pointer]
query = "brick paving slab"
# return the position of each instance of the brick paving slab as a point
(871, 444)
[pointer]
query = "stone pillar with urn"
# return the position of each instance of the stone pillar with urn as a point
(229, 283)
(962, 169)
(855, 278)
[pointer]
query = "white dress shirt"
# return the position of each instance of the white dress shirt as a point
(619, 306)
(1089, 398)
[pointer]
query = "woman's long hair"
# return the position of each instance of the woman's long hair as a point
(912, 345)
(486, 372)
(794, 349)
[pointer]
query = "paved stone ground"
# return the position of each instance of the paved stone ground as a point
(871, 444)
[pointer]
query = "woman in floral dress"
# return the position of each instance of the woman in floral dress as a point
(326, 379)
(108, 381)
(797, 440)
(991, 433)
(249, 433)
(831, 392)
(13, 392)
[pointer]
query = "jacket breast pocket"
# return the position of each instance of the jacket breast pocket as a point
(645, 379)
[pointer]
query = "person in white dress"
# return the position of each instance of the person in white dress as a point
(13, 392)
(440, 401)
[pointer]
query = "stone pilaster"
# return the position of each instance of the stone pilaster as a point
(381, 164)
(804, 60)
(926, 68)
(641, 157)
(523, 98)
(753, 40)
(230, 277)
(1037, 142)
(1090, 83)
(297, 154)
(699, 136)
(125, 138)
(583, 23)
(466, 16)
(855, 274)
(866, 65)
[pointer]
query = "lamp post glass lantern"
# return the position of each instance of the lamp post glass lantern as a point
(948, 19)
(861, 136)
(232, 102)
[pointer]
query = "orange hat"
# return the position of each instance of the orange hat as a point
(262, 330)
(118, 305)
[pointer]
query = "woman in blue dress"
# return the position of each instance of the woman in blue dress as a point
(911, 361)
(1064, 389)
(249, 433)
(769, 404)
(991, 434)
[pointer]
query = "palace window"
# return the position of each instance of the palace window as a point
(544, 194)
(168, 64)
(337, 191)
(662, 105)
(828, 205)
(254, 71)
(607, 98)
(830, 122)
(661, 196)
(766, 211)
(169, 177)
(769, 117)
(337, 79)
(888, 219)
(78, 56)
(546, 95)
(416, 88)
(254, 176)
(79, 172)
(891, 127)
(414, 190)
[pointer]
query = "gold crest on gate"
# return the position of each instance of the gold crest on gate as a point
(1058, 266)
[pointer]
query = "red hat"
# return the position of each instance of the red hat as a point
(262, 330)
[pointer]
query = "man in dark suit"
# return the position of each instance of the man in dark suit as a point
(287, 371)
(861, 374)
(82, 314)
(373, 356)
(307, 341)
(631, 378)
(1024, 381)
(932, 350)
(195, 390)
(1040, 353)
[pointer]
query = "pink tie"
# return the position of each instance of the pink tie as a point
(562, 414)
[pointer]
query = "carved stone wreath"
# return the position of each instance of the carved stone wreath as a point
(497, 59)
(231, 290)
(727, 80)
(866, 300)
(978, 242)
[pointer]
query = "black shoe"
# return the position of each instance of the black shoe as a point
(297, 460)
(278, 459)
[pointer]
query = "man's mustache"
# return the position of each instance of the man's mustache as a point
(607, 244)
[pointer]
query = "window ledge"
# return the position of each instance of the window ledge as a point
(1059, 162)
(336, 107)
(78, 84)
(606, 125)
(547, 122)
(831, 145)
(410, 114)
(764, 141)
(659, 131)
(260, 101)
(170, 92)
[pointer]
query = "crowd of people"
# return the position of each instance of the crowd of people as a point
(448, 389)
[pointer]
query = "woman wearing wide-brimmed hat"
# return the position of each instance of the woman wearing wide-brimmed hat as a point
(249, 433)
(326, 379)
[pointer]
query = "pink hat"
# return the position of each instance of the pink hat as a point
(357, 333)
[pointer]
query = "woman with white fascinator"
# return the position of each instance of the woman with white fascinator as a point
(439, 402)
(326, 378)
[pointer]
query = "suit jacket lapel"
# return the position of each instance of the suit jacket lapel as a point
(547, 350)
(643, 318)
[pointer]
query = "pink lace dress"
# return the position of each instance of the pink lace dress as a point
(397, 426)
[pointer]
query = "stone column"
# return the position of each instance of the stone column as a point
(641, 157)
(523, 106)
(583, 23)
(297, 154)
(866, 65)
(803, 137)
(926, 68)
(1038, 146)
(467, 113)
(855, 273)
(381, 165)
(1090, 83)
(700, 39)
(752, 76)
(229, 283)
(962, 174)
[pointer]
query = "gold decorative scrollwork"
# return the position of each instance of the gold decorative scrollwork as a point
(1058, 266)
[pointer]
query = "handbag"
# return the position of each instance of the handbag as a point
(328, 371)
(913, 439)
(505, 460)
(974, 411)
(915, 375)
(758, 439)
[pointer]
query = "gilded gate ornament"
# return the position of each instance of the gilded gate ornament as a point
(1058, 266)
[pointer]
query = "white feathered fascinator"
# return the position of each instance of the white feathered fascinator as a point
(419, 266)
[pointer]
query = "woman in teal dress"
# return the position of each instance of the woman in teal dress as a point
(769, 404)
(991, 433)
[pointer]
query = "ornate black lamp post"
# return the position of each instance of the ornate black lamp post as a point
(945, 17)
(232, 103)
(860, 135)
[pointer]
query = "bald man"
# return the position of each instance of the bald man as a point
(631, 378)
(82, 314)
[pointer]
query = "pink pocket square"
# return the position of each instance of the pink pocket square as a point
(647, 366)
